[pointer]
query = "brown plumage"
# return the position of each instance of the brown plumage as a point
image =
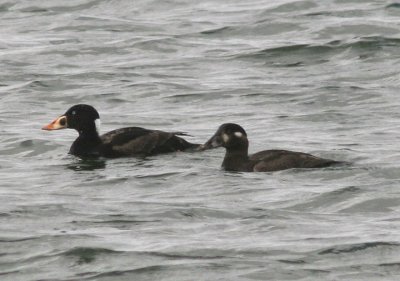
(234, 138)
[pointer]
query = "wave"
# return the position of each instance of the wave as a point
(87, 254)
(358, 247)
(309, 51)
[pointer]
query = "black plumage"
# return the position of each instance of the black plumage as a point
(130, 141)
(234, 138)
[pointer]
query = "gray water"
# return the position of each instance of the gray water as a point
(313, 76)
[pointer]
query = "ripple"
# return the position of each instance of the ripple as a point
(59, 8)
(87, 255)
(393, 5)
(27, 148)
(327, 50)
(358, 247)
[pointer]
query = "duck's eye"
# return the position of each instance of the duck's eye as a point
(73, 112)
(63, 121)
(238, 134)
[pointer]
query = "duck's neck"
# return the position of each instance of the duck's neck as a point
(86, 143)
(236, 159)
(89, 134)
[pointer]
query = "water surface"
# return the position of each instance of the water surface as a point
(313, 76)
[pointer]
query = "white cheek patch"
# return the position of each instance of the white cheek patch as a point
(97, 123)
(238, 134)
(225, 137)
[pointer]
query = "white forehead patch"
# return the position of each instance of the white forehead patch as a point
(225, 137)
(238, 134)
(97, 123)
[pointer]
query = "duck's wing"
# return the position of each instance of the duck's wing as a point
(133, 141)
(275, 160)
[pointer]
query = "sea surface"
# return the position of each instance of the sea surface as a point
(321, 77)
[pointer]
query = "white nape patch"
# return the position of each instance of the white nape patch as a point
(238, 134)
(97, 123)
(225, 137)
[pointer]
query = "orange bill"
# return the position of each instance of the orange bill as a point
(59, 123)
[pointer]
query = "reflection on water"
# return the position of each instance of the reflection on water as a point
(87, 164)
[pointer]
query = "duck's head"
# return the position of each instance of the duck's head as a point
(228, 135)
(81, 117)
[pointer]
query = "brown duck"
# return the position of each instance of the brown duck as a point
(234, 138)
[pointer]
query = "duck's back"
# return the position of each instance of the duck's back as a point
(275, 160)
(136, 141)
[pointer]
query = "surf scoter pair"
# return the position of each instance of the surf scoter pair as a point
(136, 141)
